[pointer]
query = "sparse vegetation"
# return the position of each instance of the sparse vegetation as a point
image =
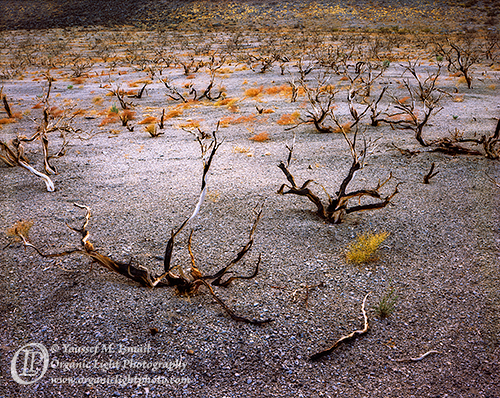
(364, 248)
(367, 91)
(387, 304)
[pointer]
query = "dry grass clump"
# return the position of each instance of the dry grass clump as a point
(78, 80)
(126, 115)
(8, 120)
(136, 83)
(260, 137)
(97, 100)
(240, 149)
(148, 120)
(289, 118)
(21, 227)
(363, 249)
(112, 116)
(226, 121)
(275, 90)
(174, 113)
(229, 103)
(190, 124)
(346, 128)
(385, 307)
(253, 91)
(153, 130)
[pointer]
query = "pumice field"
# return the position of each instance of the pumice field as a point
(249, 199)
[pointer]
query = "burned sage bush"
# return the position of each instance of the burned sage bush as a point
(185, 281)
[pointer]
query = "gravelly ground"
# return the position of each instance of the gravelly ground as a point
(441, 255)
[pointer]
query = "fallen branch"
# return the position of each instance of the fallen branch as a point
(347, 338)
(307, 289)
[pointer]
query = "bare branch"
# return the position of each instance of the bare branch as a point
(344, 339)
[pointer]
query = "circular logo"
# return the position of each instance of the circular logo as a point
(29, 363)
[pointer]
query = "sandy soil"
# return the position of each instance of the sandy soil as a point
(441, 256)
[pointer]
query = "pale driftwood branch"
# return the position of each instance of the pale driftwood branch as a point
(346, 338)
(417, 358)
(44, 177)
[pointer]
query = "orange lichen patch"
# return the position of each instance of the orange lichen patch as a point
(8, 120)
(289, 119)
(37, 106)
(260, 137)
(458, 98)
(462, 80)
(148, 120)
(254, 91)
(190, 77)
(346, 127)
(266, 111)
(492, 86)
(241, 68)
(343, 78)
(456, 74)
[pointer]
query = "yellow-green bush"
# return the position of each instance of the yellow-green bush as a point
(363, 249)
